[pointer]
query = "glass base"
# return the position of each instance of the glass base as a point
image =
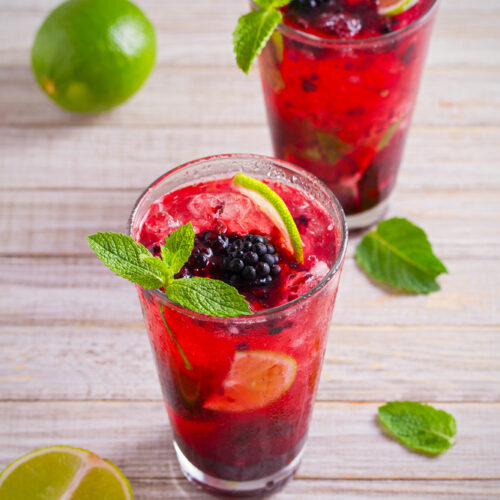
(238, 489)
(367, 218)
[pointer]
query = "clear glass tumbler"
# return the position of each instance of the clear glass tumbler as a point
(341, 109)
(242, 451)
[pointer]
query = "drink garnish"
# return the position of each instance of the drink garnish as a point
(394, 7)
(275, 208)
(254, 30)
(398, 253)
(419, 426)
(63, 472)
(132, 260)
(256, 379)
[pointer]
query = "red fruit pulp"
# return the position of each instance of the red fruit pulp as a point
(341, 106)
(194, 353)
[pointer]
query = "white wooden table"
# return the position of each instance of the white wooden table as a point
(75, 364)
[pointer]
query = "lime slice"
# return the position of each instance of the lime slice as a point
(275, 208)
(63, 473)
(394, 7)
(256, 379)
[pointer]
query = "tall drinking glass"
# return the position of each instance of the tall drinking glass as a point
(242, 447)
(341, 108)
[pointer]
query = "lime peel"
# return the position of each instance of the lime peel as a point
(87, 462)
(272, 204)
(394, 7)
(256, 380)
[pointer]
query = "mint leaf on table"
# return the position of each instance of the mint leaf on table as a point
(208, 296)
(123, 256)
(399, 253)
(254, 30)
(419, 426)
(178, 247)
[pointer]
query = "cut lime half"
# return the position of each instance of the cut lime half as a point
(394, 7)
(275, 208)
(256, 379)
(63, 473)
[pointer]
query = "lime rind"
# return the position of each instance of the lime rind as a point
(251, 383)
(271, 203)
(396, 8)
(89, 461)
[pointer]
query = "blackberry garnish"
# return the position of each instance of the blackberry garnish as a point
(307, 4)
(242, 261)
(250, 260)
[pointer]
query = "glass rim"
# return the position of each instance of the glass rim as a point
(324, 41)
(332, 271)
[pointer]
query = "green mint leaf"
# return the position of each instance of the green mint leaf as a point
(399, 253)
(208, 296)
(270, 4)
(123, 256)
(178, 247)
(420, 427)
(252, 33)
(164, 269)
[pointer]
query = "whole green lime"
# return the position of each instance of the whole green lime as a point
(91, 55)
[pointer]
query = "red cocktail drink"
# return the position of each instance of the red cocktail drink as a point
(340, 82)
(239, 391)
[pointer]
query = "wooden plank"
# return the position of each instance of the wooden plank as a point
(451, 159)
(224, 96)
(180, 489)
(55, 222)
(345, 441)
(361, 363)
(82, 291)
(75, 291)
(201, 35)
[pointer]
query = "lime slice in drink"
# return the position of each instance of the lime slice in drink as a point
(256, 379)
(394, 7)
(63, 472)
(275, 208)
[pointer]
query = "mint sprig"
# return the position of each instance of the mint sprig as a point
(132, 260)
(419, 426)
(207, 296)
(254, 30)
(398, 253)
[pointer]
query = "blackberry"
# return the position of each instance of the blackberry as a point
(307, 4)
(246, 261)
(249, 261)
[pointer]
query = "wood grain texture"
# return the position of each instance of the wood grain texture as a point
(179, 489)
(436, 159)
(361, 364)
(345, 441)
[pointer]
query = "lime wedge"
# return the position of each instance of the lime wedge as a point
(275, 208)
(256, 379)
(394, 7)
(63, 473)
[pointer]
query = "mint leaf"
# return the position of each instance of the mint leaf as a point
(123, 256)
(208, 296)
(178, 247)
(418, 426)
(399, 253)
(269, 4)
(164, 269)
(252, 33)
